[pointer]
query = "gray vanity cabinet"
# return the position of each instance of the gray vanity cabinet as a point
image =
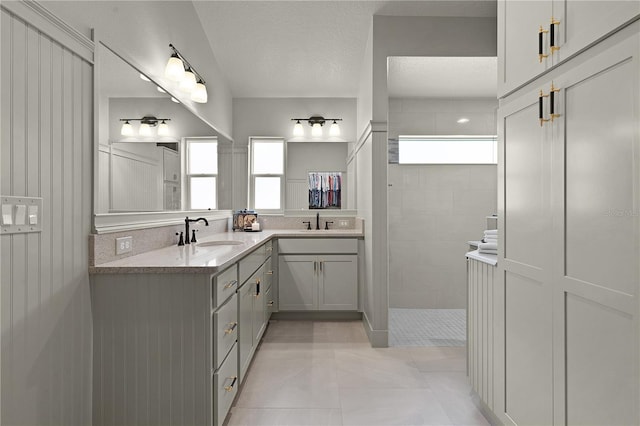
(317, 274)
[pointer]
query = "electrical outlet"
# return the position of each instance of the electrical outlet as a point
(343, 223)
(124, 245)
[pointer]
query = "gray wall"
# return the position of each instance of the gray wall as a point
(435, 209)
(272, 117)
(45, 151)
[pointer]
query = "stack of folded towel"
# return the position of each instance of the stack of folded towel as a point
(489, 244)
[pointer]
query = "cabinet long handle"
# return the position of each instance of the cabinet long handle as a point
(541, 33)
(552, 35)
(552, 102)
(257, 287)
(230, 284)
(232, 327)
(541, 97)
(315, 266)
(233, 383)
(321, 262)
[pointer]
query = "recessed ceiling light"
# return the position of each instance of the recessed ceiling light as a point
(160, 89)
(463, 120)
(174, 100)
(144, 77)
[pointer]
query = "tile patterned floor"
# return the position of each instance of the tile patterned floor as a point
(427, 327)
(326, 373)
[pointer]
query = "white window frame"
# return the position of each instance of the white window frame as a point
(453, 139)
(251, 176)
(188, 176)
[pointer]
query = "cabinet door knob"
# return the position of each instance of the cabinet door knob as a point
(230, 284)
(269, 272)
(233, 383)
(232, 326)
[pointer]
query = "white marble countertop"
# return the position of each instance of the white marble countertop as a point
(490, 259)
(194, 258)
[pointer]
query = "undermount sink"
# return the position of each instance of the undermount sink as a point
(220, 243)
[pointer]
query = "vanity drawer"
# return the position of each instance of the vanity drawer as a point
(317, 245)
(251, 262)
(225, 386)
(225, 330)
(224, 285)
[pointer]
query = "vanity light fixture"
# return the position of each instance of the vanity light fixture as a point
(178, 69)
(316, 122)
(146, 125)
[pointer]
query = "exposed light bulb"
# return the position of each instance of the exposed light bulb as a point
(174, 69)
(163, 129)
(316, 130)
(188, 82)
(144, 77)
(463, 120)
(298, 130)
(160, 89)
(145, 130)
(334, 130)
(199, 93)
(127, 129)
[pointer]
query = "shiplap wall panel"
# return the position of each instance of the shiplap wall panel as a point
(138, 182)
(152, 360)
(297, 194)
(45, 152)
(480, 325)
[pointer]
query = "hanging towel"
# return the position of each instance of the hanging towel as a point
(488, 246)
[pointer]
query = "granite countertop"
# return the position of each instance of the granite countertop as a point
(490, 259)
(194, 258)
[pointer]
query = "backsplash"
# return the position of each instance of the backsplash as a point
(102, 247)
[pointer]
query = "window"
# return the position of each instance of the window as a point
(267, 174)
(202, 173)
(447, 150)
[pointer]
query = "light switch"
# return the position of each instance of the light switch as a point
(21, 214)
(33, 215)
(7, 214)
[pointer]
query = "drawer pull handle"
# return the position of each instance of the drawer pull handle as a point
(233, 383)
(269, 272)
(552, 35)
(230, 284)
(232, 327)
(541, 33)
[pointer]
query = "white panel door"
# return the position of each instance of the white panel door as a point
(582, 22)
(338, 284)
(297, 283)
(596, 204)
(519, 25)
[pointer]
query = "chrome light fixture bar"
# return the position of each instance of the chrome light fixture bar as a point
(178, 69)
(316, 122)
(146, 123)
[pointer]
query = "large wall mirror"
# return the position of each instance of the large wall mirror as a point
(141, 163)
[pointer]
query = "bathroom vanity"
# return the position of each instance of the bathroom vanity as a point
(175, 329)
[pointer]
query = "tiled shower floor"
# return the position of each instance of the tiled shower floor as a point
(427, 327)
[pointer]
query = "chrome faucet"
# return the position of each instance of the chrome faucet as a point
(318, 220)
(186, 225)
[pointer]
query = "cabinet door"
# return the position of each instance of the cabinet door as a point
(596, 273)
(518, 27)
(245, 324)
(269, 304)
(583, 22)
(297, 283)
(524, 306)
(338, 284)
(258, 309)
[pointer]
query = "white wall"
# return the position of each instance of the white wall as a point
(400, 36)
(435, 209)
(46, 151)
(142, 31)
(272, 117)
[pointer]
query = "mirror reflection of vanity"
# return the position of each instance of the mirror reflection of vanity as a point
(142, 170)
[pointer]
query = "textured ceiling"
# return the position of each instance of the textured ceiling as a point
(443, 77)
(304, 48)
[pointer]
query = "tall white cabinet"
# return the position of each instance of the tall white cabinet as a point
(567, 329)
